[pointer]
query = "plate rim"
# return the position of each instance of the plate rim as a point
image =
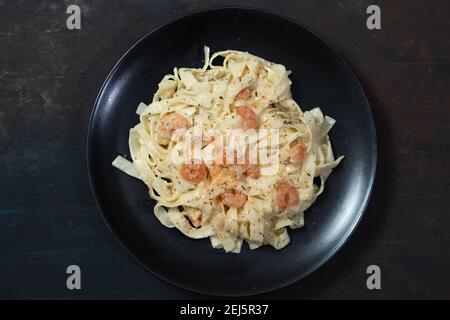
(373, 167)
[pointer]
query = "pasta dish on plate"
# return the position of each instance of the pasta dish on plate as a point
(226, 152)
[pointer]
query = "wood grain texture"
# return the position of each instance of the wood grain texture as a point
(50, 76)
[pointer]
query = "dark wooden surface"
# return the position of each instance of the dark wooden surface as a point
(50, 76)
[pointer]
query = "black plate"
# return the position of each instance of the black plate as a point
(320, 77)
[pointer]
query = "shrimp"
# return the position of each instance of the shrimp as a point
(194, 172)
(248, 116)
(244, 94)
(287, 196)
(232, 198)
(168, 124)
(297, 153)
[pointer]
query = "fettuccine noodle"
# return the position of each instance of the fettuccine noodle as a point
(230, 203)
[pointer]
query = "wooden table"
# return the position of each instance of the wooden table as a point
(50, 76)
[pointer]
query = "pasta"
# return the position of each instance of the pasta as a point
(228, 154)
